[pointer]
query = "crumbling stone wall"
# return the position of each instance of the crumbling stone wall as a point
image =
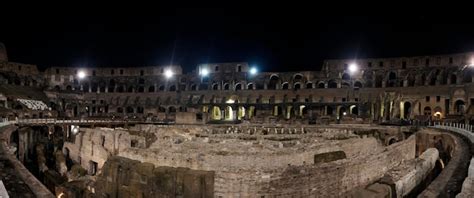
(250, 160)
(122, 177)
(92, 145)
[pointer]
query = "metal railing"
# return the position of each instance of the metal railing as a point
(467, 128)
(5, 121)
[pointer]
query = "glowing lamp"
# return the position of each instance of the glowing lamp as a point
(253, 70)
(81, 74)
(168, 73)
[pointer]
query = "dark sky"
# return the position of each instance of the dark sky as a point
(274, 40)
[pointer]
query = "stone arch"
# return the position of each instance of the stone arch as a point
(57, 88)
(250, 86)
(342, 112)
(130, 109)
(297, 86)
(321, 85)
(345, 76)
(467, 76)
(69, 88)
(130, 89)
(140, 109)
(151, 88)
(277, 110)
(422, 79)
(297, 77)
(459, 107)
(392, 79)
(193, 87)
(238, 86)
(241, 113)
(309, 85)
(453, 79)
(226, 86)
(438, 112)
(94, 87)
(285, 85)
(378, 80)
(216, 113)
(329, 110)
(434, 76)
(111, 86)
(161, 109)
(427, 111)
(407, 109)
(411, 80)
(171, 109)
(228, 113)
(358, 84)
(161, 88)
(332, 83)
(354, 110)
(172, 88)
(120, 89)
(215, 86)
(273, 82)
(345, 85)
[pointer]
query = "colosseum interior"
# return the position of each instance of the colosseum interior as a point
(378, 127)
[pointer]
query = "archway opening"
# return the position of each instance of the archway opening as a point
(406, 110)
(427, 111)
(321, 85)
(354, 110)
(229, 113)
(332, 84)
(459, 107)
(272, 84)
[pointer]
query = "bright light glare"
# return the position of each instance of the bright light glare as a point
(253, 70)
(168, 73)
(204, 72)
(344, 113)
(352, 68)
(81, 74)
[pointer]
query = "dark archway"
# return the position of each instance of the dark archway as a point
(358, 84)
(238, 86)
(321, 85)
(346, 76)
(392, 79)
(459, 106)
(172, 88)
(453, 79)
(272, 84)
(406, 110)
(151, 89)
(427, 111)
(332, 84)
(297, 86)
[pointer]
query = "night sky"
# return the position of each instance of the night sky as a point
(276, 40)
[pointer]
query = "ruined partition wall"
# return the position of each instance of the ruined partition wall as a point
(333, 179)
(246, 167)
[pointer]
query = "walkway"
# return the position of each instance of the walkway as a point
(466, 131)
(10, 178)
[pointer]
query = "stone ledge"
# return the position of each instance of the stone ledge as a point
(35, 185)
